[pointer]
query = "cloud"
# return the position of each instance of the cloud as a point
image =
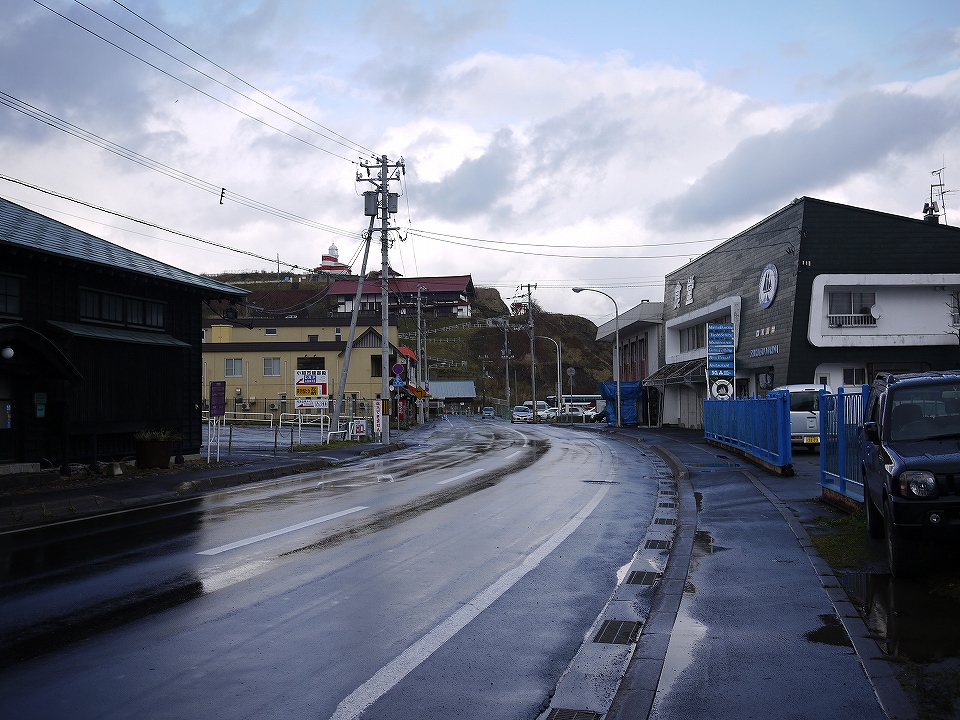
(476, 185)
(766, 170)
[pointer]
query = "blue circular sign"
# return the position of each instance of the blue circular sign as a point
(768, 285)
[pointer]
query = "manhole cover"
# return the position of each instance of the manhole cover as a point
(617, 632)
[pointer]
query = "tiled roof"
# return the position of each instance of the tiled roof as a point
(441, 389)
(29, 229)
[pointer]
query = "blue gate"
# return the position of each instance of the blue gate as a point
(757, 426)
(841, 419)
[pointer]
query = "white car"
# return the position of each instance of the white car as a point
(805, 414)
(521, 413)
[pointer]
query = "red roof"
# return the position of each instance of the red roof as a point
(444, 284)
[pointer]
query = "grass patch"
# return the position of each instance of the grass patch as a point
(843, 541)
(934, 690)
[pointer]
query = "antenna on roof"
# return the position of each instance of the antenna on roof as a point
(936, 206)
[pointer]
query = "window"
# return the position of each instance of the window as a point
(313, 338)
(851, 309)
(693, 338)
(854, 376)
(105, 307)
(271, 367)
(338, 334)
(9, 295)
(376, 366)
(269, 331)
(233, 367)
(955, 308)
(311, 363)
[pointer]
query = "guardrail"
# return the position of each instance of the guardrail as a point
(759, 427)
(841, 432)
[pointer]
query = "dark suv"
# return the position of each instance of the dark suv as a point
(911, 462)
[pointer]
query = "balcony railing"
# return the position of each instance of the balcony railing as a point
(860, 320)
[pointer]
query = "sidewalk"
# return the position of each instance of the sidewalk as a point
(54, 499)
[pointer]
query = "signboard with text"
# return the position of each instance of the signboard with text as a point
(721, 363)
(218, 398)
(311, 389)
(377, 416)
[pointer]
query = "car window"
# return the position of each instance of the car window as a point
(923, 412)
(804, 401)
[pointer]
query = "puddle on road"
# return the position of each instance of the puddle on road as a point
(832, 632)
(915, 619)
(684, 639)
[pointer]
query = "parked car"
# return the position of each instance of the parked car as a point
(805, 414)
(521, 413)
(487, 412)
(911, 460)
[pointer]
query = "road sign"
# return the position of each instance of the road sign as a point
(218, 398)
(398, 382)
(358, 427)
(419, 392)
(397, 369)
(307, 403)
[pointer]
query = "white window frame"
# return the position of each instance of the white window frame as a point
(275, 364)
(235, 363)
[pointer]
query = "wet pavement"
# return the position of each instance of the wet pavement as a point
(760, 628)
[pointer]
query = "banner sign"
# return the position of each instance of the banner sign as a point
(218, 398)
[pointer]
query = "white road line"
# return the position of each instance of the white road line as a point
(460, 477)
(513, 454)
(393, 672)
(281, 531)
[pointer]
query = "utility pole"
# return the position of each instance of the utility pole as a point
(505, 324)
(420, 367)
(533, 361)
(382, 203)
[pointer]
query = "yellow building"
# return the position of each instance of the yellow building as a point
(258, 358)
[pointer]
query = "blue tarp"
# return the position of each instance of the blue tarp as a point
(630, 395)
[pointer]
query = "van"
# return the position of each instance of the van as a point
(804, 413)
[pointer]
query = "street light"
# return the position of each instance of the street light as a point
(559, 382)
(616, 343)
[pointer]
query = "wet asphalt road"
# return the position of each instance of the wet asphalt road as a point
(479, 559)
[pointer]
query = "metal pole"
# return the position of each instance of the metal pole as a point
(559, 382)
(384, 294)
(616, 342)
(533, 359)
(355, 311)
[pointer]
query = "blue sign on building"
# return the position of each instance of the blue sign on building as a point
(721, 360)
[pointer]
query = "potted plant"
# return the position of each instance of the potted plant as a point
(154, 448)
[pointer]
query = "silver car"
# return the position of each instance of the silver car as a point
(521, 413)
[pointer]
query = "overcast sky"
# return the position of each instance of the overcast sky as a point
(564, 143)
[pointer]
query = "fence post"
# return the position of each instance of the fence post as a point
(841, 442)
(783, 425)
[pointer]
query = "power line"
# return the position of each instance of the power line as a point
(70, 129)
(348, 144)
(150, 224)
(194, 87)
(252, 87)
(447, 240)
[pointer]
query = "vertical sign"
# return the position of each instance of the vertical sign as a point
(218, 398)
(377, 416)
(721, 367)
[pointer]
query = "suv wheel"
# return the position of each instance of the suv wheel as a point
(875, 527)
(899, 551)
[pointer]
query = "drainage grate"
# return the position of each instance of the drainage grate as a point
(657, 545)
(642, 577)
(560, 714)
(664, 521)
(618, 632)
(667, 505)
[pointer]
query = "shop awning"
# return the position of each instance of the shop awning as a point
(681, 373)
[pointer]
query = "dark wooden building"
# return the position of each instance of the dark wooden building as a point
(96, 343)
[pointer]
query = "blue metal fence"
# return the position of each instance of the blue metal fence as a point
(841, 419)
(757, 426)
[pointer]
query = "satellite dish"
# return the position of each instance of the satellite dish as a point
(876, 311)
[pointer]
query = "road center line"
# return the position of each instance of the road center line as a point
(512, 455)
(460, 477)
(393, 672)
(281, 531)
